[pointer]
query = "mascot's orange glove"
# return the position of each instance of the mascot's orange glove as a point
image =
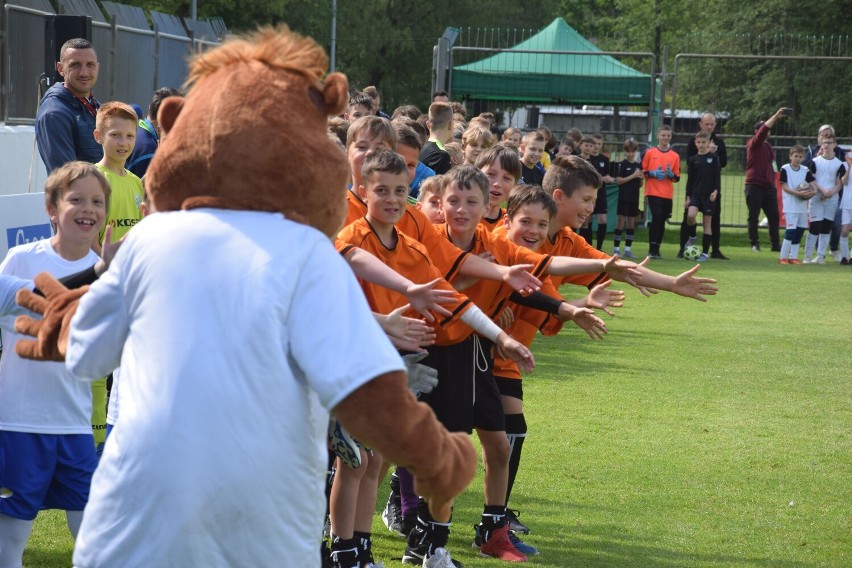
(384, 415)
(51, 332)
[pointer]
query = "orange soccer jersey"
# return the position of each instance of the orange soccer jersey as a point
(655, 158)
(492, 295)
(447, 257)
(410, 259)
(527, 320)
(492, 224)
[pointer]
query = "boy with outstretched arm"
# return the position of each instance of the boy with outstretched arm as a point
(573, 183)
(464, 202)
(372, 134)
(45, 414)
(384, 188)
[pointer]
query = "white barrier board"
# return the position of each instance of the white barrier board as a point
(23, 219)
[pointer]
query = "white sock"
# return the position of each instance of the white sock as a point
(626, 249)
(74, 519)
(810, 243)
(823, 244)
(785, 249)
(794, 251)
(14, 534)
(844, 247)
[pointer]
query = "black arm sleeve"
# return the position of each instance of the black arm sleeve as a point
(537, 301)
(76, 280)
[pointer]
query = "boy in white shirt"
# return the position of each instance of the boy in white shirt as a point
(828, 171)
(798, 188)
(846, 212)
(45, 428)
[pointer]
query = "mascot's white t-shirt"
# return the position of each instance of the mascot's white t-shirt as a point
(236, 332)
(37, 396)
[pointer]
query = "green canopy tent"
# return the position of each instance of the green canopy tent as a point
(552, 77)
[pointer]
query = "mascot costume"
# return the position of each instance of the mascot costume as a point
(238, 329)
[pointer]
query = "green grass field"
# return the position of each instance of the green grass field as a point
(694, 435)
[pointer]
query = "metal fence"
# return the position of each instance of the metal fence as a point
(135, 59)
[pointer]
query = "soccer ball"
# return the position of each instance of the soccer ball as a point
(691, 252)
(804, 185)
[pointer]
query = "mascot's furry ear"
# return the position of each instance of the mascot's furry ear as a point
(169, 110)
(335, 91)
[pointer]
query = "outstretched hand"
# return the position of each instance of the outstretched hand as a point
(689, 286)
(51, 332)
(406, 333)
(622, 270)
(645, 290)
(602, 298)
(519, 278)
(585, 319)
(425, 298)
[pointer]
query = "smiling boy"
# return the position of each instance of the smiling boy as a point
(501, 166)
(530, 150)
(115, 131)
(45, 430)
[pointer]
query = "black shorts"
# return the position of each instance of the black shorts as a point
(466, 396)
(628, 208)
(703, 203)
(601, 203)
(510, 387)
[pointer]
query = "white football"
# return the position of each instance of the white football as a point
(804, 185)
(691, 252)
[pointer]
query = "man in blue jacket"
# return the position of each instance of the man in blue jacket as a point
(66, 116)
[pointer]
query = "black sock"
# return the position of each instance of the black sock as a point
(344, 552)
(516, 430)
(684, 234)
(617, 238)
(629, 240)
(365, 545)
(493, 518)
(706, 241)
(601, 235)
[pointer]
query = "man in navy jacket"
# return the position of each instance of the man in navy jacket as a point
(66, 116)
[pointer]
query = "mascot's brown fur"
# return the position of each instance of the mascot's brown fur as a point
(251, 135)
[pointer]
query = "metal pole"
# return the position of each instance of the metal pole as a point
(333, 33)
(194, 10)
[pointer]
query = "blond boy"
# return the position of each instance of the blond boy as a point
(531, 149)
(475, 140)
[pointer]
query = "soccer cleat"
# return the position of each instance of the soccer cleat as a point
(516, 525)
(794, 261)
(783, 261)
(523, 547)
(819, 260)
(392, 515)
(703, 257)
(755, 248)
(807, 260)
(628, 254)
(344, 557)
(679, 254)
(343, 444)
(844, 260)
(441, 559)
(719, 256)
(420, 551)
(499, 546)
(654, 256)
(690, 241)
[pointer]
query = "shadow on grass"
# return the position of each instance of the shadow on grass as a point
(574, 543)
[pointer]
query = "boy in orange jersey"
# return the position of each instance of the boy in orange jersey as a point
(464, 202)
(429, 200)
(573, 183)
(384, 188)
(371, 134)
(502, 167)
(661, 166)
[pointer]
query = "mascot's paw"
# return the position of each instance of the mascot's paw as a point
(56, 307)
(343, 445)
(421, 379)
